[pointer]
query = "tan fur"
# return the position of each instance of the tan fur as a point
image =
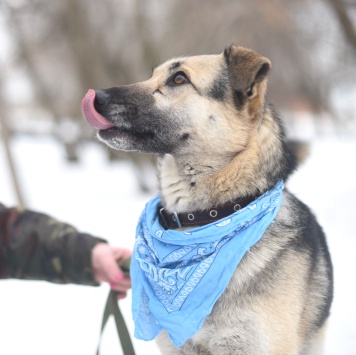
(232, 148)
(235, 176)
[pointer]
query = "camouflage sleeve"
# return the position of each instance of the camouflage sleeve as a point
(37, 247)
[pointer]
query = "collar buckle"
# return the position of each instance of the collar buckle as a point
(172, 217)
(161, 210)
(176, 219)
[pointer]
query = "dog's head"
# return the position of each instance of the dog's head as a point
(187, 105)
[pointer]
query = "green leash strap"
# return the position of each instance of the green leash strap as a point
(112, 308)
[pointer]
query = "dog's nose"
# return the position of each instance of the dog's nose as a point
(101, 97)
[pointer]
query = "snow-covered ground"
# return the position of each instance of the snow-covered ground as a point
(39, 318)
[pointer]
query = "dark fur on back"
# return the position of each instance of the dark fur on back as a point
(287, 164)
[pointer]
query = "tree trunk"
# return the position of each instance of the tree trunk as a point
(343, 17)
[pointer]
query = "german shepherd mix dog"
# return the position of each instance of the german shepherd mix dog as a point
(218, 142)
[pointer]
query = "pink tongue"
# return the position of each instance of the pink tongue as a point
(94, 118)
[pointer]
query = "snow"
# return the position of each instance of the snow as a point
(39, 318)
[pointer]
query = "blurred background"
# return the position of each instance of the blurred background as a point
(52, 52)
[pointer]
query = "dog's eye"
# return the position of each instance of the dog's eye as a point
(179, 79)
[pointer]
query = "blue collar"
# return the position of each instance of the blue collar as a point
(178, 276)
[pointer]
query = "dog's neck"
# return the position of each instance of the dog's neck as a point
(186, 186)
(189, 184)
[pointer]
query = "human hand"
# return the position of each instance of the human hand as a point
(105, 259)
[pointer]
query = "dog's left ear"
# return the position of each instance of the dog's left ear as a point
(246, 70)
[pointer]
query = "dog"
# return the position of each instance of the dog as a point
(218, 140)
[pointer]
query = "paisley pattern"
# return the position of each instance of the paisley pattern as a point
(178, 276)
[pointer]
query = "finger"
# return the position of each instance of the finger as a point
(121, 286)
(121, 253)
(121, 295)
(112, 270)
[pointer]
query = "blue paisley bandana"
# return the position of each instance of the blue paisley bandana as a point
(178, 276)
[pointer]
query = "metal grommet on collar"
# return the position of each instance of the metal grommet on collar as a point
(173, 220)
(191, 216)
(213, 213)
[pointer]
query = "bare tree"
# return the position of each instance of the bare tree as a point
(82, 44)
(342, 11)
(272, 28)
(70, 46)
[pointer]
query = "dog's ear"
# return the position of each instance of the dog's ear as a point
(246, 69)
